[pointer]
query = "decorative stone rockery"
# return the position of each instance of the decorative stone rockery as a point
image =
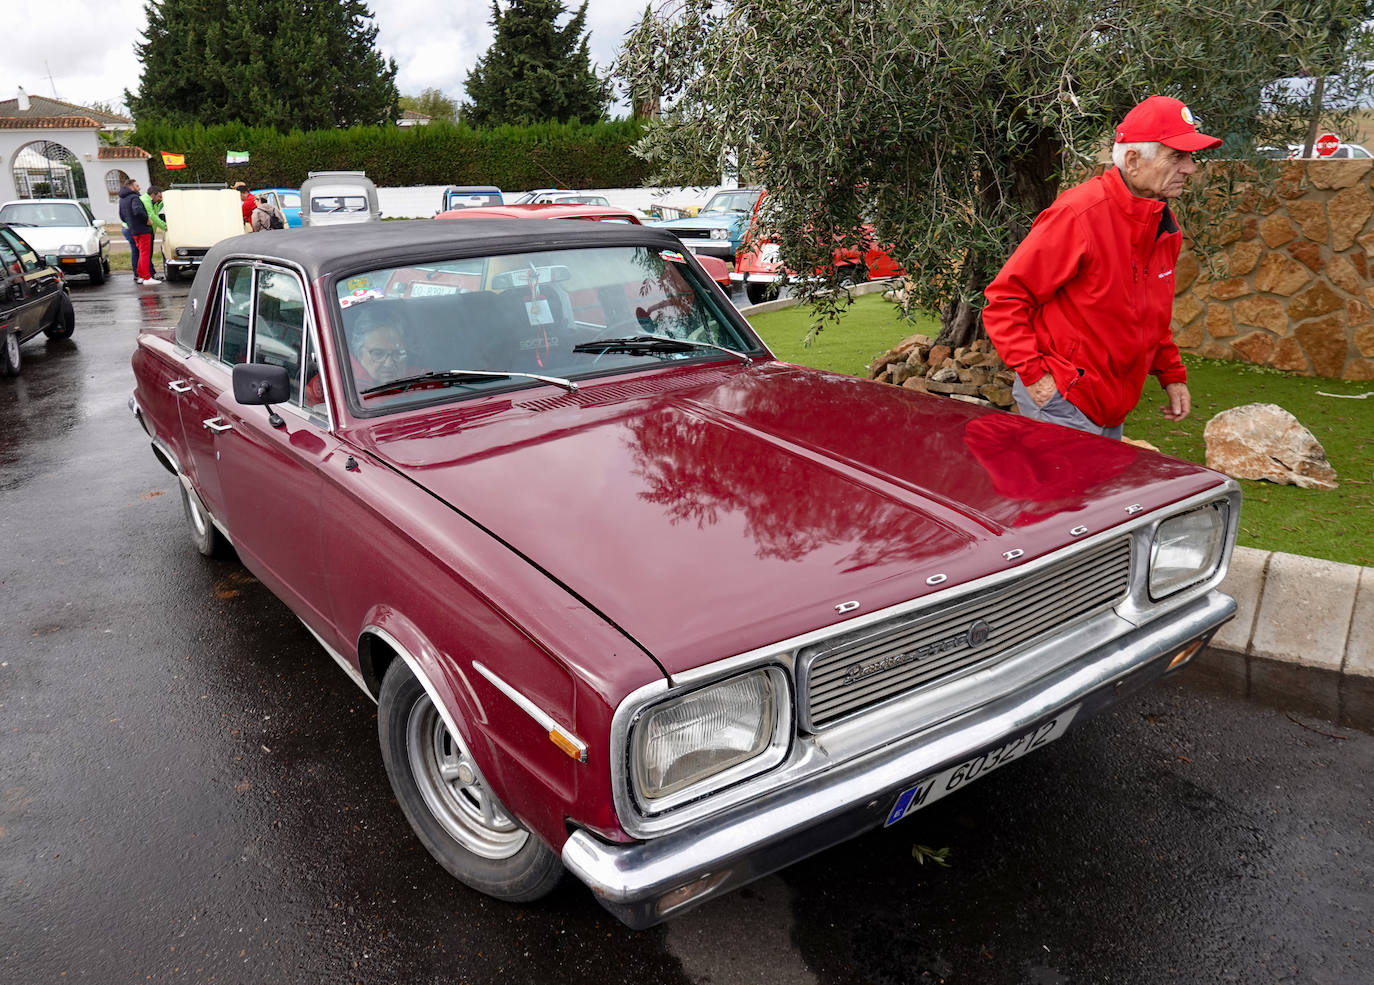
(1264, 441)
(973, 373)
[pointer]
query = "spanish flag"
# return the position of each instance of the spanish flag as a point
(173, 161)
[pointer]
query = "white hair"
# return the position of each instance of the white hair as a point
(1147, 149)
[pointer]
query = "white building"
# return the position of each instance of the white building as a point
(52, 149)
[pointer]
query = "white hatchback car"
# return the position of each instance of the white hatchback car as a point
(65, 228)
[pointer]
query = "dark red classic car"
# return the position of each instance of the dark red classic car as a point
(636, 600)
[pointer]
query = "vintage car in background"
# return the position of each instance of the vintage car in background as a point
(198, 216)
(33, 299)
(636, 600)
(559, 196)
(333, 198)
(759, 269)
(718, 229)
(286, 199)
(64, 228)
(718, 270)
(470, 197)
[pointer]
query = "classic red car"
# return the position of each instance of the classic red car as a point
(717, 268)
(636, 600)
(759, 269)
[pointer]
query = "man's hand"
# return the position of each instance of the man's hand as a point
(1043, 389)
(1180, 402)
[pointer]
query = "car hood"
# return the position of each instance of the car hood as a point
(711, 510)
(47, 239)
(713, 220)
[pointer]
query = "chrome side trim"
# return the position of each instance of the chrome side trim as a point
(545, 720)
(342, 661)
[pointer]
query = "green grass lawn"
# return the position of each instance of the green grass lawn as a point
(1337, 524)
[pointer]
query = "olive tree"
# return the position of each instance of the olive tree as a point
(949, 124)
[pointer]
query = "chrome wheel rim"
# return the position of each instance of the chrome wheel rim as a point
(12, 347)
(453, 789)
(200, 522)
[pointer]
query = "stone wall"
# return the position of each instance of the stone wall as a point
(1293, 282)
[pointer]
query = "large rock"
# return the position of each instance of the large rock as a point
(1264, 441)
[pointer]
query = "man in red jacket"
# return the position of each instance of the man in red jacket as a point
(1081, 311)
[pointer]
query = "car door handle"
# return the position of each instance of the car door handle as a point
(216, 424)
(179, 386)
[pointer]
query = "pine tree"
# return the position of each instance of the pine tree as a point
(278, 63)
(535, 71)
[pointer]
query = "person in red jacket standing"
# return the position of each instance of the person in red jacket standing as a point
(1081, 311)
(248, 200)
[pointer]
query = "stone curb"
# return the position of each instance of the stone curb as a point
(1300, 610)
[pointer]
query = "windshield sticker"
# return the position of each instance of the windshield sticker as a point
(358, 283)
(673, 257)
(539, 312)
(358, 297)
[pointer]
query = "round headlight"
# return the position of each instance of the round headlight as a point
(1186, 548)
(720, 233)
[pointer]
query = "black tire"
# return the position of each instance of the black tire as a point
(170, 273)
(461, 824)
(758, 293)
(205, 536)
(66, 319)
(105, 264)
(10, 360)
(853, 276)
(96, 269)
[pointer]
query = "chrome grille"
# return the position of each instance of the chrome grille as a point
(926, 647)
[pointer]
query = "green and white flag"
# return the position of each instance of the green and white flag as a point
(236, 157)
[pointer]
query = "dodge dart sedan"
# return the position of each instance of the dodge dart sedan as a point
(637, 601)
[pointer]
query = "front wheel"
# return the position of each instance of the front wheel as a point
(172, 274)
(65, 323)
(10, 359)
(853, 276)
(758, 293)
(97, 269)
(448, 803)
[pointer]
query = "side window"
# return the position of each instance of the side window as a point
(27, 258)
(279, 328)
(238, 310)
(8, 258)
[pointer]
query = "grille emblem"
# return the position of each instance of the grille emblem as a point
(975, 636)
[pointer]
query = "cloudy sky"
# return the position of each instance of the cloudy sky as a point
(435, 45)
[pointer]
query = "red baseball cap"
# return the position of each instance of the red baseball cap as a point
(1166, 121)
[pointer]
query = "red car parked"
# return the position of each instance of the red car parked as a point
(635, 600)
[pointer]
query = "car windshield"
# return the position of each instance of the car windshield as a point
(43, 214)
(338, 203)
(735, 201)
(525, 314)
(471, 200)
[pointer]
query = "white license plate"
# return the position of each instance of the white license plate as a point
(932, 788)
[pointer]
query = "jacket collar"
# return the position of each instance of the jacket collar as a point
(1150, 212)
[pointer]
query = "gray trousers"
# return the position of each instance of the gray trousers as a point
(1057, 410)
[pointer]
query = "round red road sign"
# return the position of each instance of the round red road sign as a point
(1326, 144)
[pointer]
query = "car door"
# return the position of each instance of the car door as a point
(33, 294)
(223, 345)
(269, 469)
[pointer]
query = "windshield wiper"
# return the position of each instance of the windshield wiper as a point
(14, 222)
(653, 343)
(460, 376)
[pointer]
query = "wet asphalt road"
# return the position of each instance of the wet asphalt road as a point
(191, 791)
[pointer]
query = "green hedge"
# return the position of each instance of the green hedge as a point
(546, 154)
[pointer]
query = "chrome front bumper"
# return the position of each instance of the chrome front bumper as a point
(722, 853)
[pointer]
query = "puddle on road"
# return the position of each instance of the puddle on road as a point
(1346, 700)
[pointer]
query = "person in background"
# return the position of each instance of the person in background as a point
(1081, 311)
(129, 187)
(267, 216)
(249, 201)
(152, 204)
(135, 218)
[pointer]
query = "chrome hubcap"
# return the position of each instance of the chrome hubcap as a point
(453, 788)
(12, 347)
